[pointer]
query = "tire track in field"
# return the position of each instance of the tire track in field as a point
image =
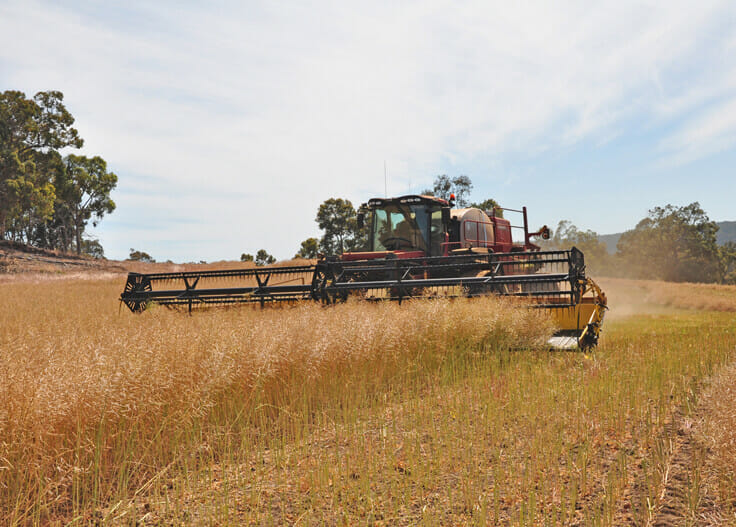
(688, 493)
(693, 494)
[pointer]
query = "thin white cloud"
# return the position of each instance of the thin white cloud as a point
(710, 132)
(294, 103)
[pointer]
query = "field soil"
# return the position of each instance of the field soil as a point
(703, 455)
(19, 260)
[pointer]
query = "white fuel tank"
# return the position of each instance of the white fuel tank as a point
(476, 229)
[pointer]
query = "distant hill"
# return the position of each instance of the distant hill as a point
(726, 233)
(610, 240)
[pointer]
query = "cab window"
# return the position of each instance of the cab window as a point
(437, 233)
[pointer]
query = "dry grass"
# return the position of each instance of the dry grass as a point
(628, 297)
(36, 277)
(716, 432)
(357, 414)
(522, 438)
(165, 267)
(22, 263)
(94, 404)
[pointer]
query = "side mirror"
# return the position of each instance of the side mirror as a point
(445, 215)
(361, 220)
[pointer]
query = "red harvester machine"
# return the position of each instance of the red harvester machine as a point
(418, 247)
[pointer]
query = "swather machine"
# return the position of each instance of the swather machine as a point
(417, 247)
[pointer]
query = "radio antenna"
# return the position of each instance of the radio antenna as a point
(385, 180)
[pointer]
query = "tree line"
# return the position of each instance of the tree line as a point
(675, 244)
(47, 199)
(338, 219)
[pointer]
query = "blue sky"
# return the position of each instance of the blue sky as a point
(228, 123)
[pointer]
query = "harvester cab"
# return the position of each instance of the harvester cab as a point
(416, 225)
(418, 247)
(409, 227)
